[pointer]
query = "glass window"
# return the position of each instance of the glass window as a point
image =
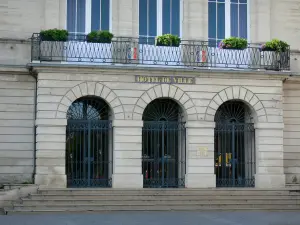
(171, 18)
(78, 15)
(216, 21)
(158, 17)
(227, 18)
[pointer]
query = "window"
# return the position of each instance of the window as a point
(227, 18)
(158, 17)
(84, 16)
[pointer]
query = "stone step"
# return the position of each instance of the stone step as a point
(167, 206)
(99, 211)
(159, 197)
(54, 203)
(165, 192)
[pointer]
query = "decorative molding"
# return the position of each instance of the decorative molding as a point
(236, 93)
(90, 89)
(166, 91)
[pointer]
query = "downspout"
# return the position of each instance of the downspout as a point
(34, 75)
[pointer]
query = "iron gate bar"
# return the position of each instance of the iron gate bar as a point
(83, 167)
(163, 166)
(234, 146)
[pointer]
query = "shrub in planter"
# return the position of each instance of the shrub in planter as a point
(99, 37)
(275, 45)
(168, 40)
(234, 43)
(54, 35)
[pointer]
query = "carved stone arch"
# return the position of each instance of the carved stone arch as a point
(91, 89)
(166, 91)
(236, 93)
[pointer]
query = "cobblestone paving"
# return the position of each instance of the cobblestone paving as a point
(158, 218)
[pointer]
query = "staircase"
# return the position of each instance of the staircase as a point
(103, 200)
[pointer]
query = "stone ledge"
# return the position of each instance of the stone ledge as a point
(127, 123)
(271, 126)
(200, 124)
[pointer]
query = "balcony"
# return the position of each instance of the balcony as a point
(144, 52)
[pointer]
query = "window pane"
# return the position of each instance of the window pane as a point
(71, 16)
(95, 15)
(243, 21)
(175, 25)
(212, 22)
(104, 15)
(234, 20)
(243, 1)
(143, 17)
(166, 13)
(152, 17)
(221, 20)
(80, 16)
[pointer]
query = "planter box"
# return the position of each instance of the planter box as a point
(160, 55)
(52, 51)
(86, 52)
(272, 60)
(230, 58)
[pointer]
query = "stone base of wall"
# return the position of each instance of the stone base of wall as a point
(127, 181)
(51, 180)
(269, 181)
(200, 180)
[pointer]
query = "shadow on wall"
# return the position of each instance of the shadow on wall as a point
(15, 52)
(295, 61)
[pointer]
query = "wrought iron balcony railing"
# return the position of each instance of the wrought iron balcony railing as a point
(143, 51)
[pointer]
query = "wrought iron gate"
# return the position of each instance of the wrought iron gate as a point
(89, 144)
(88, 156)
(234, 146)
(163, 154)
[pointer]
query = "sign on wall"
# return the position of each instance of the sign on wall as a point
(164, 80)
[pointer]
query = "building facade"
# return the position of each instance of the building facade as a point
(131, 114)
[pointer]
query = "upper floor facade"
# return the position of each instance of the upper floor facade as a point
(201, 25)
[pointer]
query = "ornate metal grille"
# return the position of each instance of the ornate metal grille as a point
(234, 146)
(163, 145)
(89, 144)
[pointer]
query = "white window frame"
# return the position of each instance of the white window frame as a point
(228, 18)
(159, 18)
(88, 16)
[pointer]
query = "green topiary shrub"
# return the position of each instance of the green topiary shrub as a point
(275, 45)
(234, 43)
(168, 40)
(99, 37)
(54, 35)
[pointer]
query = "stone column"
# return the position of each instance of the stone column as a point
(127, 155)
(200, 155)
(195, 20)
(51, 151)
(269, 155)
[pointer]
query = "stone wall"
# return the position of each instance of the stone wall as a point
(17, 91)
(57, 89)
(292, 130)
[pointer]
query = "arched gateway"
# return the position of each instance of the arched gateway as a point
(163, 145)
(234, 145)
(89, 143)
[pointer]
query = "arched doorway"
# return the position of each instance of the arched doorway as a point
(89, 143)
(163, 145)
(234, 145)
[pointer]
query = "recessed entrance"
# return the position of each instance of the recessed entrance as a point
(89, 144)
(234, 146)
(163, 145)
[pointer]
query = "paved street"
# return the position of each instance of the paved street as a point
(158, 218)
